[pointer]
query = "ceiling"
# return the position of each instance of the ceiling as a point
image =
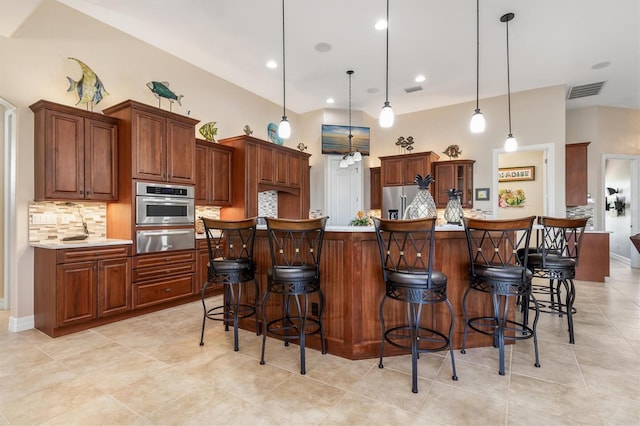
(551, 42)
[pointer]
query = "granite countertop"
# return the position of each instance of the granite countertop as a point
(90, 242)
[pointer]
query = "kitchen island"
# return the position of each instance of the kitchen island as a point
(351, 279)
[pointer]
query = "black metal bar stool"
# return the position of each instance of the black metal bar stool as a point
(497, 269)
(230, 244)
(295, 247)
(407, 254)
(555, 258)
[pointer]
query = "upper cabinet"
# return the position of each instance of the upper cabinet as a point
(576, 174)
(456, 174)
(398, 170)
(76, 154)
(258, 166)
(375, 189)
(160, 145)
(213, 173)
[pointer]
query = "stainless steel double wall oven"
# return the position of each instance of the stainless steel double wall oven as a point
(165, 217)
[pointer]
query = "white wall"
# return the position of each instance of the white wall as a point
(533, 189)
(618, 175)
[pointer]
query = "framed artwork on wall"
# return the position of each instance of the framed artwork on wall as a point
(335, 139)
(483, 194)
(510, 174)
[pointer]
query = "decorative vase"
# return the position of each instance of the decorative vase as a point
(423, 204)
(453, 212)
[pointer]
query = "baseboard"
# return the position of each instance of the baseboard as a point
(4, 304)
(21, 324)
(619, 258)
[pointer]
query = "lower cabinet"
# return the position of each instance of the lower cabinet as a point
(202, 266)
(162, 277)
(76, 286)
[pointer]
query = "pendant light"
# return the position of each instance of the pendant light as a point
(386, 115)
(510, 144)
(477, 123)
(353, 156)
(284, 129)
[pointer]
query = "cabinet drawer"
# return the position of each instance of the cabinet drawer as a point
(159, 291)
(92, 253)
(201, 244)
(163, 259)
(165, 270)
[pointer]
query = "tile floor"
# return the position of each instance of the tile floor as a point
(151, 370)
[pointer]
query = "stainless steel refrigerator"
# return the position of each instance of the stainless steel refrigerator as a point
(395, 200)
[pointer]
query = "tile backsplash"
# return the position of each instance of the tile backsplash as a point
(53, 220)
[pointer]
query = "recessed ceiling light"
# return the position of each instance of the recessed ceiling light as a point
(601, 65)
(420, 78)
(381, 24)
(323, 47)
(331, 100)
(373, 90)
(272, 64)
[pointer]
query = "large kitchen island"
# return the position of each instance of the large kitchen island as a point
(351, 279)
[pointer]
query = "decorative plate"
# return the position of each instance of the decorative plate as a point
(272, 131)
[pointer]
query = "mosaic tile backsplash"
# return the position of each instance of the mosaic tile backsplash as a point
(268, 204)
(50, 220)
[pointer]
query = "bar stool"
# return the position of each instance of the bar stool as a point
(407, 254)
(497, 269)
(230, 244)
(295, 247)
(555, 259)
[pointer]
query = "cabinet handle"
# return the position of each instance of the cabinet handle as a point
(167, 290)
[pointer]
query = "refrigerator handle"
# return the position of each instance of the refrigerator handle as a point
(403, 205)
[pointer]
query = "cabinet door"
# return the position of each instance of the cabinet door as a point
(101, 160)
(445, 178)
(576, 175)
(76, 299)
(220, 177)
(392, 172)
(375, 189)
(465, 184)
(295, 171)
(281, 175)
(203, 174)
(415, 165)
(181, 151)
(114, 286)
(266, 169)
(64, 156)
(149, 154)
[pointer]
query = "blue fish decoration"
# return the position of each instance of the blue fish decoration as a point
(90, 89)
(161, 90)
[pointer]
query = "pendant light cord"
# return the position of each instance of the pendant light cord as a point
(508, 80)
(477, 54)
(284, 70)
(387, 69)
(350, 135)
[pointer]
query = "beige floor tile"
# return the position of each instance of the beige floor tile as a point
(525, 416)
(477, 379)
(99, 411)
(486, 357)
(335, 371)
(357, 410)
(618, 411)
(95, 358)
(64, 346)
(429, 365)
(24, 381)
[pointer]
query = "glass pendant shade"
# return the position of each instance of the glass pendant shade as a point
(343, 163)
(284, 129)
(357, 156)
(386, 116)
(511, 144)
(350, 160)
(477, 124)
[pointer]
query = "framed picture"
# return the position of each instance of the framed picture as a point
(510, 174)
(335, 139)
(482, 194)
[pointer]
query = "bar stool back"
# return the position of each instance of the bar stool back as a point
(555, 259)
(230, 244)
(497, 269)
(407, 254)
(295, 247)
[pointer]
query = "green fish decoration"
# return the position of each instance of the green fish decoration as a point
(161, 90)
(209, 130)
(90, 89)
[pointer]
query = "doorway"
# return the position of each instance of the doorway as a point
(620, 210)
(343, 191)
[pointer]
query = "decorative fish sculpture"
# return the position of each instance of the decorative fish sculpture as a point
(452, 151)
(90, 89)
(209, 131)
(160, 89)
(247, 130)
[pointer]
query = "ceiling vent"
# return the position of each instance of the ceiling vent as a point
(591, 89)
(413, 89)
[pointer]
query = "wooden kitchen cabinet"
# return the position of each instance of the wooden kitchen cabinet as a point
(576, 176)
(399, 170)
(456, 174)
(213, 174)
(157, 145)
(375, 189)
(202, 267)
(75, 154)
(258, 166)
(163, 277)
(75, 287)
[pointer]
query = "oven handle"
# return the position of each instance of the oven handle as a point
(165, 232)
(186, 201)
